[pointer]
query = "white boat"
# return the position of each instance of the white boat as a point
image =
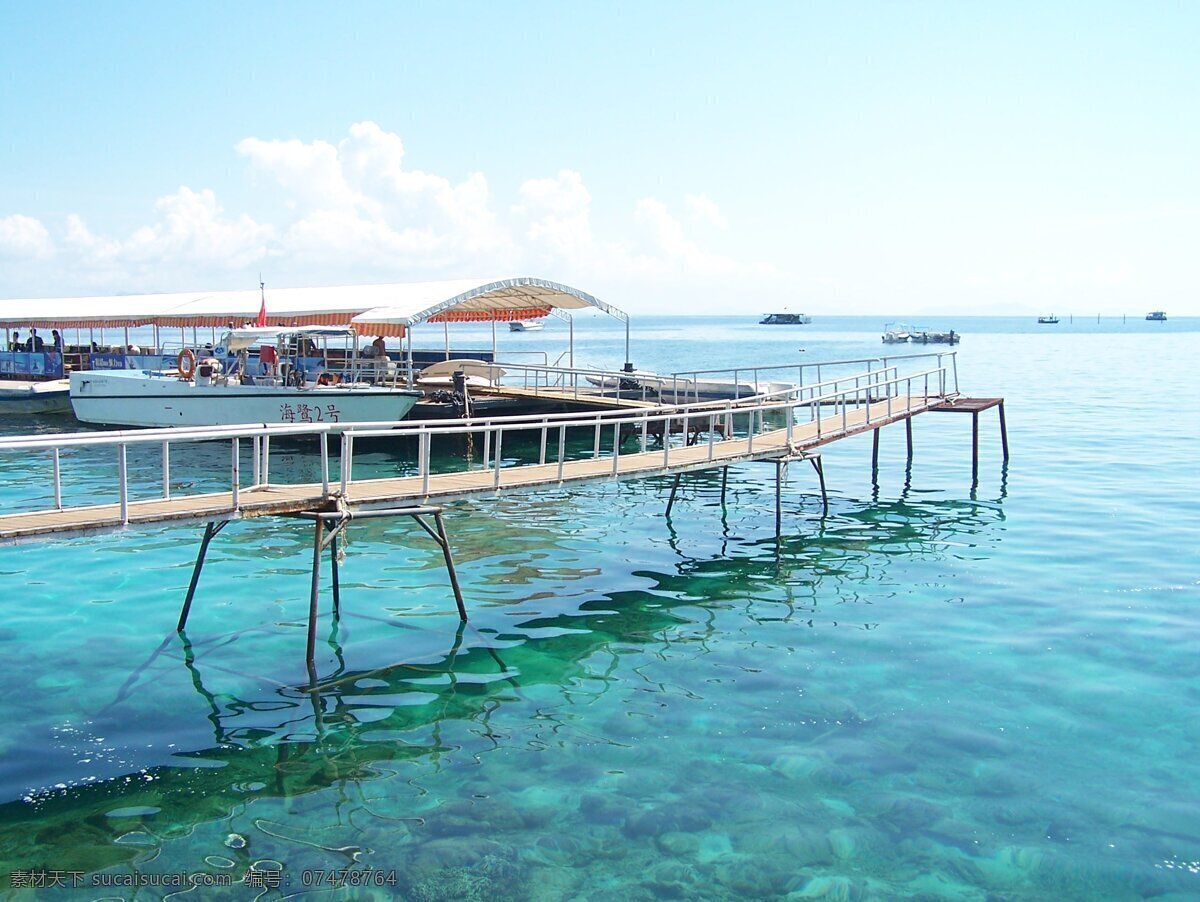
(785, 319)
(525, 325)
(686, 390)
(201, 395)
(896, 334)
(17, 396)
(1156, 316)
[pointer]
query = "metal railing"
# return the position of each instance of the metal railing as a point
(731, 420)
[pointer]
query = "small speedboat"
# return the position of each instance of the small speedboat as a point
(1048, 320)
(1157, 316)
(896, 334)
(785, 319)
(525, 325)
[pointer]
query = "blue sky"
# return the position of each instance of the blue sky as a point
(876, 158)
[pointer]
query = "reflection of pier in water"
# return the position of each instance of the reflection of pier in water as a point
(291, 740)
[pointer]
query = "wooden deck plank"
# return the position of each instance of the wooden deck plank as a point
(442, 487)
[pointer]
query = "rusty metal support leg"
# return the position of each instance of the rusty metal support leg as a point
(875, 450)
(210, 530)
(445, 543)
(439, 536)
(1003, 431)
(819, 467)
(908, 435)
(780, 475)
(318, 532)
(974, 446)
(674, 489)
(333, 570)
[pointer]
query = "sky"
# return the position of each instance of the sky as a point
(695, 158)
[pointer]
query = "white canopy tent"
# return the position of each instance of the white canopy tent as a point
(389, 309)
(501, 300)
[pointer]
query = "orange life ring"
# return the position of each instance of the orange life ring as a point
(188, 357)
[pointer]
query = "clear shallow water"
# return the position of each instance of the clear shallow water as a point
(938, 690)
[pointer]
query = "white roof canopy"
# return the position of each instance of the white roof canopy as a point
(473, 301)
(375, 309)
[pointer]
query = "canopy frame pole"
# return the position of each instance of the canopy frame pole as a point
(493, 341)
(446, 333)
(408, 336)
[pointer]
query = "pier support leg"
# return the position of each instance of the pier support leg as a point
(444, 540)
(210, 530)
(875, 450)
(780, 476)
(819, 467)
(1003, 431)
(333, 571)
(439, 536)
(318, 533)
(974, 446)
(908, 435)
(674, 489)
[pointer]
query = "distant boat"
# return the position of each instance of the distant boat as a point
(524, 325)
(927, 336)
(1051, 319)
(1157, 316)
(785, 319)
(896, 334)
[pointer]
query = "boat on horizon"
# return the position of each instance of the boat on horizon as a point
(1156, 316)
(202, 393)
(1048, 320)
(785, 319)
(525, 325)
(896, 333)
(922, 335)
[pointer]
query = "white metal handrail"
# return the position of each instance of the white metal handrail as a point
(713, 417)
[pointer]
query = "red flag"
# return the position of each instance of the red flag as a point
(262, 310)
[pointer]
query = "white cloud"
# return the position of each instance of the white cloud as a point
(352, 211)
(704, 210)
(24, 238)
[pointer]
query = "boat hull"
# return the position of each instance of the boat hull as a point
(116, 398)
(35, 397)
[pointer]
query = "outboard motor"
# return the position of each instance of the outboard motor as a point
(462, 398)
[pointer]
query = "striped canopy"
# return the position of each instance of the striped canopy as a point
(370, 309)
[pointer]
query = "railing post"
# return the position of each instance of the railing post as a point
(123, 480)
(596, 440)
(323, 438)
(666, 427)
(266, 460)
(57, 482)
(562, 450)
(166, 470)
(616, 447)
(712, 431)
(237, 471)
(542, 448)
(344, 463)
(256, 474)
(424, 440)
(497, 457)
(487, 446)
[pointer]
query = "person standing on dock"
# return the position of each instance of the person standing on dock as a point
(35, 342)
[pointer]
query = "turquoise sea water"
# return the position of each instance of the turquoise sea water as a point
(938, 690)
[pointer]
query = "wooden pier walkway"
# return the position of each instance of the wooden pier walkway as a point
(437, 488)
